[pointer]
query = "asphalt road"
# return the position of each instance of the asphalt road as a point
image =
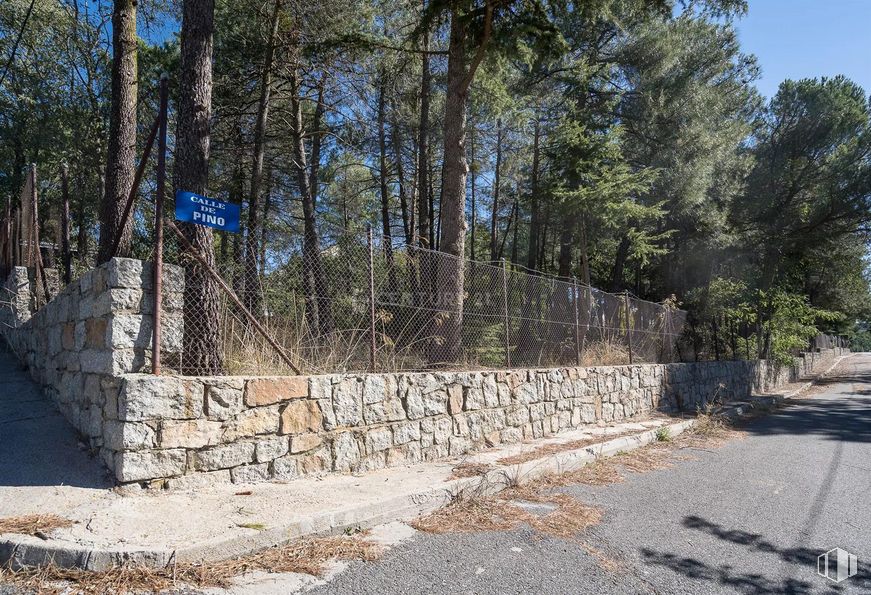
(750, 517)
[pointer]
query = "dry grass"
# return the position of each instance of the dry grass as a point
(504, 511)
(464, 470)
(554, 448)
(305, 556)
(34, 524)
(607, 352)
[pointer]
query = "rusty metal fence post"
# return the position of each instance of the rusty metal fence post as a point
(157, 266)
(628, 323)
(369, 242)
(507, 324)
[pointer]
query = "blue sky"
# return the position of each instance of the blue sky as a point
(808, 38)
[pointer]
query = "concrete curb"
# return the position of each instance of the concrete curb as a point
(23, 550)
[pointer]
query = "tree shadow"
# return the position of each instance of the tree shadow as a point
(751, 579)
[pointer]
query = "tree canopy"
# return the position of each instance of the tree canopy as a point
(622, 142)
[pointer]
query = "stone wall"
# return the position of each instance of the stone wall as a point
(79, 344)
(89, 346)
(182, 432)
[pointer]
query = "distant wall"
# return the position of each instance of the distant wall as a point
(79, 344)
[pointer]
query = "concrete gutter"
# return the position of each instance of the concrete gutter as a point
(403, 501)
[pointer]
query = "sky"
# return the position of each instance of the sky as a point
(808, 38)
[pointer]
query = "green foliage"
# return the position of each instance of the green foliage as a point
(661, 170)
(792, 323)
(780, 323)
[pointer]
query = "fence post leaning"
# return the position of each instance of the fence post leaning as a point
(371, 268)
(507, 324)
(157, 266)
(628, 322)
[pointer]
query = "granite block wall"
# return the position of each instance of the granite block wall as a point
(186, 432)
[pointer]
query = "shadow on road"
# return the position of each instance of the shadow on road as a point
(753, 579)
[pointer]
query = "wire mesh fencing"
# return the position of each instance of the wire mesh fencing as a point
(354, 302)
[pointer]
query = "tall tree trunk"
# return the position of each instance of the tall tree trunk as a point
(515, 258)
(534, 223)
(472, 185)
(121, 156)
(407, 214)
(585, 254)
(316, 135)
(512, 214)
(453, 196)
(264, 226)
(317, 303)
(424, 219)
(542, 250)
(385, 191)
(82, 232)
(201, 341)
(565, 247)
(252, 279)
(423, 285)
(620, 264)
(494, 216)
(237, 192)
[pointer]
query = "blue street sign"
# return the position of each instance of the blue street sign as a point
(210, 212)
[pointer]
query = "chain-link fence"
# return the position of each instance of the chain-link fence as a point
(353, 302)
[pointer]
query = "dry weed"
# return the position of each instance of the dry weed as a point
(503, 512)
(711, 430)
(306, 556)
(607, 352)
(598, 473)
(470, 515)
(34, 524)
(605, 562)
(464, 470)
(650, 458)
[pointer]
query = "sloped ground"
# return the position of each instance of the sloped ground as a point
(43, 465)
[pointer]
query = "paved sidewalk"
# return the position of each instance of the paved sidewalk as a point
(45, 471)
(39, 448)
